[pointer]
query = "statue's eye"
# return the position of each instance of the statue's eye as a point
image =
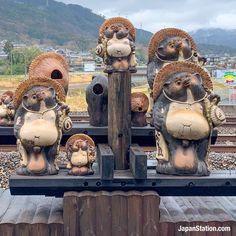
(34, 97)
(172, 45)
(178, 82)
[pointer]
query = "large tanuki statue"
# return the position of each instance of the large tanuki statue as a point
(40, 120)
(185, 112)
(116, 45)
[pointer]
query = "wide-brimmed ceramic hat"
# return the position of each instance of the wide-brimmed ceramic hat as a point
(137, 98)
(50, 64)
(28, 84)
(180, 66)
(8, 93)
(118, 20)
(76, 137)
(163, 34)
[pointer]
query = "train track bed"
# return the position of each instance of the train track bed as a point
(226, 130)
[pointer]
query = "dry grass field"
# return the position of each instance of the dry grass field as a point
(79, 82)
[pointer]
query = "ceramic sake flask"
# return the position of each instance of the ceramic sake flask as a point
(139, 107)
(51, 65)
(185, 112)
(97, 100)
(81, 153)
(116, 45)
(41, 119)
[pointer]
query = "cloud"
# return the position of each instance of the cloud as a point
(155, 14)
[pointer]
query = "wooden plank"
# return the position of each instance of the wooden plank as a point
(39, 229)
(135, 208)
(138, 162)
(175, 212)
(119, 214)
(87, 213)
(27, 214)
(42, 212)
(5, 200)
(23, 229)
(71, 214)
(103, 214)
(119, 117)
(7, 229)
(106, 161)
(13, 211)
(56, 212)
(217, 184)
(151, 213)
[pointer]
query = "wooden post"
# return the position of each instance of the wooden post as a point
(119, 117)
(106, 161)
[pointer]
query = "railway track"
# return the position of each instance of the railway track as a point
(230, 121)
(221, 148)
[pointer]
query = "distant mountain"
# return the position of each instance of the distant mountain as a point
(215, 39)
(52, 22)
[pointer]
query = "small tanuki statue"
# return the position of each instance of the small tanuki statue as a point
(7, 111)
(41, 119)
(81, 153)
(139, 107)
(116, 45)
(185, 112)
(51, 65)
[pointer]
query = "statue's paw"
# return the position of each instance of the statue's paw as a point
(109, 69)
(132, 69)
(202, 169)
(52, 170)
(22, 171)
(165, 168)
(214, 97)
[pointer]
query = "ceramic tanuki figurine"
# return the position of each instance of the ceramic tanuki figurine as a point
(51, 65)
(116, 45)
(185, 112)
(139, 107)
(41, 119)
(81, 152)
(97, 100)
(167, 46)
(6, 109)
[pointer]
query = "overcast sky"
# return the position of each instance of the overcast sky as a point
(155, 14)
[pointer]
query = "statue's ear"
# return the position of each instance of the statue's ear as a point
(198, 77)
(52, 91)
(186, 40)
(25, 98)
(160, 48)
(167, 82)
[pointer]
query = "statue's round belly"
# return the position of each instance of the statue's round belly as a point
(39, 132)
(119, 50)
(3, 111)
(187, 124)
(79, 160)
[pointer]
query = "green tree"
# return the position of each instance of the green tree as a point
(21, 59)
(8, 47)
